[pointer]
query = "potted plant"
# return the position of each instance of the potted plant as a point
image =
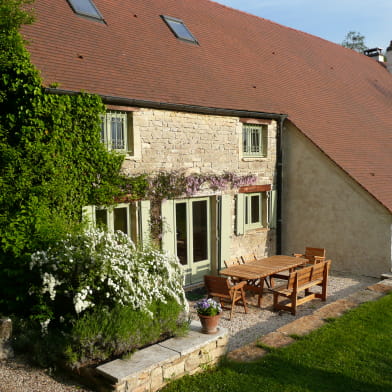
(209, 312)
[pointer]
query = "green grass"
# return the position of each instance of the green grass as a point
(351, 353)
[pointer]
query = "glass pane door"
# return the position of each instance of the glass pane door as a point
(200, 230)
(192, 228)
(181, 233)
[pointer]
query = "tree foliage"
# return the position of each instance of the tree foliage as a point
(52, 162)
(355, 41)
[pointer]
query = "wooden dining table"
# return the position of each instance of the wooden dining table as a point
(256, 272)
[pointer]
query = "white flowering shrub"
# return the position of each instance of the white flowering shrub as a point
(99, 268)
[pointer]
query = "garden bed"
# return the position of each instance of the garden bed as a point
(153, 367)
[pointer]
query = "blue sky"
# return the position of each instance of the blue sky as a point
(331, 19)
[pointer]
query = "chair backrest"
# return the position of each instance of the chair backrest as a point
(231, 261)
(311, 253)
(247, 258)
(308, 274)
(217, 285)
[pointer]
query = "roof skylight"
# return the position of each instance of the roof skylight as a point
(85, 8)
(177, 26)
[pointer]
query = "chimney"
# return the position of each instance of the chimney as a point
(388, 55)
(375, 53)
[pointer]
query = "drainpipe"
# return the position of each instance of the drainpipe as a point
(279, 183)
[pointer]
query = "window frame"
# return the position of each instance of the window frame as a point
(110, 216)
(247, 142)
(169, 19)
(95, 16)
(106, 131)
(138, 218)
(248, 224)
(243, 212)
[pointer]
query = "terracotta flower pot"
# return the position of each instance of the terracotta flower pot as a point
(209, 323)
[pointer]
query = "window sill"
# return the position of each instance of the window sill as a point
(256, 230)
(131, 157)
(251, 159)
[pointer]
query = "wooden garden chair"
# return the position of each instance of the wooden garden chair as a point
(232, 261)
(220, 287)
(247, 258)
(313, 255)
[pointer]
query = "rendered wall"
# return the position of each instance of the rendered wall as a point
(324, 207)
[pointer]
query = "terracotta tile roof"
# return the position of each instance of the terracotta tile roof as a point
(339, 99)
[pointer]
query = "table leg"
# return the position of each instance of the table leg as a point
(261, 291)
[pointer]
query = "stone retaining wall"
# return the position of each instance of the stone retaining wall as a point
(6, 350)
(150, 369)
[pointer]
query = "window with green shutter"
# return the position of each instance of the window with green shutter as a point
(251, 211)
(130, 218)
(116, 131)
(255, 139)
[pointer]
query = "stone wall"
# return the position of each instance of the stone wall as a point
(198, 143)
(6, 350)
(150, 369)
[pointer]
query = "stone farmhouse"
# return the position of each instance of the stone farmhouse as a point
(202, 88)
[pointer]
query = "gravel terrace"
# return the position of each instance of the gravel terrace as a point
(246, 328)
(18, 376)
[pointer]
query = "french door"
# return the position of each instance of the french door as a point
(192, 228)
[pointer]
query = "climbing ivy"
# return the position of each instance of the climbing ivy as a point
(52, 162)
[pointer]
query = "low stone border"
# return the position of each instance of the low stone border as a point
(6, 350)
(153, 367)
(304, 325)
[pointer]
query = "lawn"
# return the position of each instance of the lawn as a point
(350, 353)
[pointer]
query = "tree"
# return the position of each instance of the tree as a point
(355, 41)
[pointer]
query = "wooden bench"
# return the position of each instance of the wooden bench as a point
(300, 281)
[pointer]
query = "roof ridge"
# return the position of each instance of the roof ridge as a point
(273, 22)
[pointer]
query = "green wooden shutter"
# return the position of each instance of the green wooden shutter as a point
(240, 217)
(144, 222)
(264, 135)
(88, 215)
(225, 228)
(272, 209)
(168, 234)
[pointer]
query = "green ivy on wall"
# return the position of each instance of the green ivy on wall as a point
(52, 162)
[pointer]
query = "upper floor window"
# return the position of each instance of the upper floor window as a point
(255, 139)
(116, 131)
(85, 8)
(177, 26)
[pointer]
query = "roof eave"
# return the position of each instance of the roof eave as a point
(122, 101)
